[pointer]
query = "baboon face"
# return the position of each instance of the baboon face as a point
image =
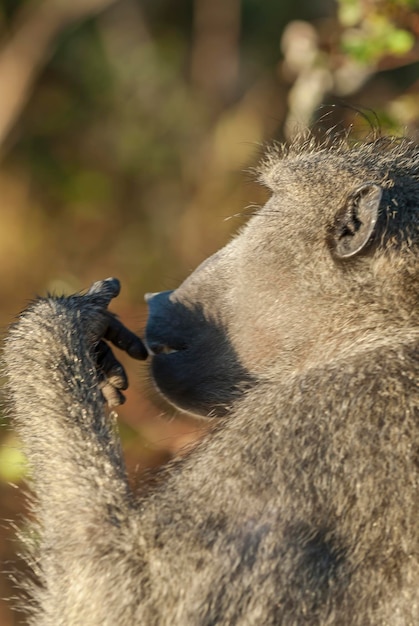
(288, 292)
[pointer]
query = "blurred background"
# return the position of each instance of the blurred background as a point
(128, 130)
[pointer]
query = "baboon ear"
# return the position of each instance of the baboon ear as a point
(356, 223)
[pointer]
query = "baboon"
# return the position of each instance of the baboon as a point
(300, 339)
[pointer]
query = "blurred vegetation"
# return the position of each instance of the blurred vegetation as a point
(126, 129)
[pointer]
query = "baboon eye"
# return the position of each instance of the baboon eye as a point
(356, 223)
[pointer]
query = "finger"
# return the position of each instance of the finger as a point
(113, 397)
(125, 339)
(110, 367)
(103, 291)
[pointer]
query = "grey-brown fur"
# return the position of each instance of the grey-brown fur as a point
(302, 507)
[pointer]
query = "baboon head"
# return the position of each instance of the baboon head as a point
(330, 261)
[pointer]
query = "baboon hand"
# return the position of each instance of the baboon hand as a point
(105, 327)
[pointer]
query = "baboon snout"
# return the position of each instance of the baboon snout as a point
(189, 352)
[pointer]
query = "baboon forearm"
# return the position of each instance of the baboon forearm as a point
(58, 404)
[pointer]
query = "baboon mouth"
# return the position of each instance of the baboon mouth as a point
(165, 350)
(157, 349)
